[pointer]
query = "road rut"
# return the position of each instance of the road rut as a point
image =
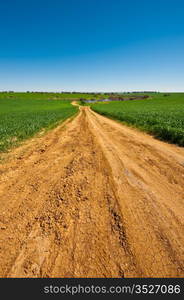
(92, 198)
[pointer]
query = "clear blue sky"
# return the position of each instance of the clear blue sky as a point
(92, 45)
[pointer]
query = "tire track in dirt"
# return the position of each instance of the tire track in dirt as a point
(149, 177)
(60, 221)
(92, 198)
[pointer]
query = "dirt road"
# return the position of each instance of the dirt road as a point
(92, 198)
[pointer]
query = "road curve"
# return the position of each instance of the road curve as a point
(92, 198)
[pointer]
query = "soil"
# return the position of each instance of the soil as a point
(92, 198)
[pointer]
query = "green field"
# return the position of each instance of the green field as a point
(161, 115)
(51, 96)
(23, 115)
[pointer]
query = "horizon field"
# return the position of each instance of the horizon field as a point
(24, 114)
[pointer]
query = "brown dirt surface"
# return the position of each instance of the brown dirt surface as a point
(92, 198)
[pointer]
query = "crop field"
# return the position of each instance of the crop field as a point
(161, 115)
(92, 198)
(51, 96)
(22, 115)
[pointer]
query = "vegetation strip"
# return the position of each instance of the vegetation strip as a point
(161, 115)
(22, 118)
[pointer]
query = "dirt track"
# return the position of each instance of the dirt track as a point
(92, 198)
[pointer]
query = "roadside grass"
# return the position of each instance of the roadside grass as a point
(161, 115)
(21, 118)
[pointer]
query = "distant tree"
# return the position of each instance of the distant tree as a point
(82, 101)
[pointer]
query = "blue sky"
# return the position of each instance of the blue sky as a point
(92, 45)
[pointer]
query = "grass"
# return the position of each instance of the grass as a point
(161, 115)
(50, 96)
(21, 116)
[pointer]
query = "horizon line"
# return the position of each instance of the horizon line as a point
(88, 92)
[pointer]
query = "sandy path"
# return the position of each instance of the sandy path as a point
(92, 198)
